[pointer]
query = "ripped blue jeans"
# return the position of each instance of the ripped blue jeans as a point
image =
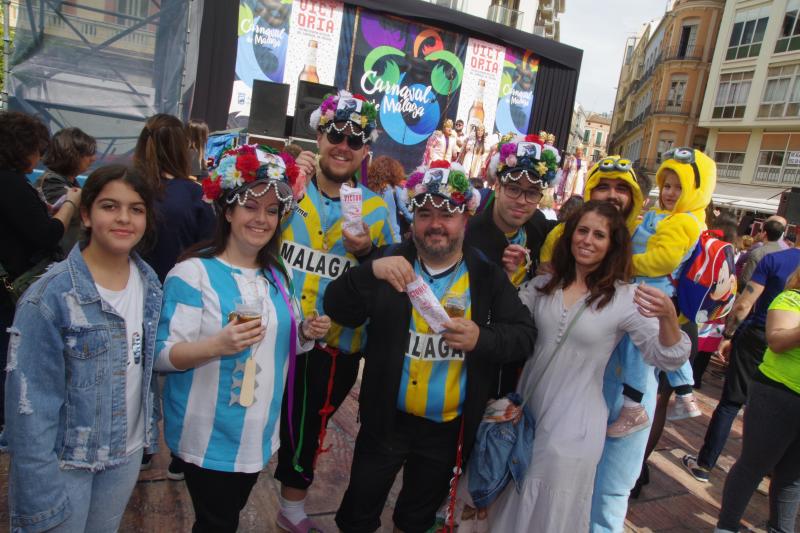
(65, 402)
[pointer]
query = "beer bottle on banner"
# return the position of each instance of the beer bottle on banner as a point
(476, 115)
(309, 72)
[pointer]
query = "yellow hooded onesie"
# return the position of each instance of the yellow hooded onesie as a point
(677, 234)
(593, 177)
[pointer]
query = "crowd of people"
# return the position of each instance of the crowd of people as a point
(511, 312)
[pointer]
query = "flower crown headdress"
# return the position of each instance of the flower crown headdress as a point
(346, 107)
(241, 169)
(530, 156)
(447, 181)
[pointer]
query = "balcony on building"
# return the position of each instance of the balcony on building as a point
(509, 17)
(672, 107)
(684, 52)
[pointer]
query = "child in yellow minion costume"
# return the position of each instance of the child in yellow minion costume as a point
(662, 242)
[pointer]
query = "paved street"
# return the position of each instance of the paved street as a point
(673, 502)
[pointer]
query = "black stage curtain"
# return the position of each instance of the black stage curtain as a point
(554, 100)
(217, 63)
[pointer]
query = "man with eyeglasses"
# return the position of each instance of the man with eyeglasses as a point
(318, 250)
(511, 229)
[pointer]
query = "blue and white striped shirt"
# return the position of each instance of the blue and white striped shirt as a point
(203, 423)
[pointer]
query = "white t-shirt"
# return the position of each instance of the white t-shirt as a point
(129, 304)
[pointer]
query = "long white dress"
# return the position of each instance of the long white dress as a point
(568, 406)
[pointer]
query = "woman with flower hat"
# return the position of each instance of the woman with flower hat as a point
(222, 399)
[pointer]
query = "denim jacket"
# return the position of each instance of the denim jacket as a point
(65, 388)
(502, 452)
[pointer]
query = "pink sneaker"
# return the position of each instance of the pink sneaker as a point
(305, 526)
(630, 420)
(683, 407)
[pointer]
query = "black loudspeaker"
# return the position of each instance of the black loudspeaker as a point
(789, 207)
(268, 109)
(309, 97)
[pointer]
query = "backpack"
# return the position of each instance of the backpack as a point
(707, 283)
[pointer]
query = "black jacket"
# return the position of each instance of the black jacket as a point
(483, 234)
(506, 333)
(27, 231)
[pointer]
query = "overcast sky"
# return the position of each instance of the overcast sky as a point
(600, 29)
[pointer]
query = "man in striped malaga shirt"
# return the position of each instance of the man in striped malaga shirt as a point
(424, 389)
(317, 249)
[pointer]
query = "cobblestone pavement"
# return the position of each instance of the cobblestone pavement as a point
(673, 501)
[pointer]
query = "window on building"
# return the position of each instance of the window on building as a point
(586, 135)
(595, 156)
(677, 89)
(789, 39)
(598, 139)
(729, 164)
(688, 41)
(132, 8)
(665, 143)
(729, 158)
(781, 92)
(732, 94)
(748, 33)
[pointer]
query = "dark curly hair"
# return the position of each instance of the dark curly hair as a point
(615, 266)
(384, 171)
(21, 137)
(66, 150)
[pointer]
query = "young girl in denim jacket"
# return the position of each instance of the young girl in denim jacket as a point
(80, 396)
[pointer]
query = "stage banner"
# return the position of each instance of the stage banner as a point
(313, 44)
(412, 71)
(515, 100)
(483, 73)
(261, 52)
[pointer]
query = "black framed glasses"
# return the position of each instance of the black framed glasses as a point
(514, 192)
(355, 141)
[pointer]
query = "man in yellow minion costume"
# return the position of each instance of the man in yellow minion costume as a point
(661, 243)
(612, 179)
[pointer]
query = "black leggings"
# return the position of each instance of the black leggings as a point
(771, 443)
(217, 497)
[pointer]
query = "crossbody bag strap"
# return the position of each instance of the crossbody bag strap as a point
(559, 345)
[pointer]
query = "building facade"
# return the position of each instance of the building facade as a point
(752, 105)
(577, 128)
(663, 82)
(539, 17)
(595, 136)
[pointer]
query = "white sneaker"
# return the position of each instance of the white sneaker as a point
(683, 407)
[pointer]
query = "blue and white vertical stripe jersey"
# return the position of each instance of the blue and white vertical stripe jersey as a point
(203, 422)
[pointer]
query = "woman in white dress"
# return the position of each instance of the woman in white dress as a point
(586, 306)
